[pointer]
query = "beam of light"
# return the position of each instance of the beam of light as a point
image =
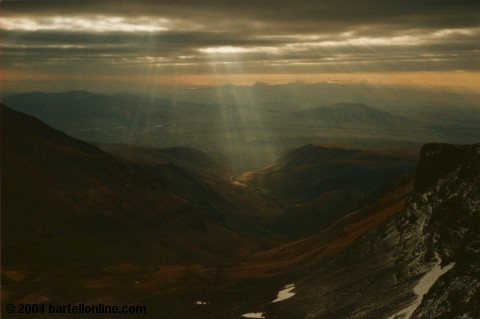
(144, 127)
(244, 138)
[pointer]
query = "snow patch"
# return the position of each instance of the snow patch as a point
(254, 315)
(285, 293)
(235, 182)
(422, 288)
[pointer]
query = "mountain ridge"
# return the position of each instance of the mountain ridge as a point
(356, 114)
(74, 183)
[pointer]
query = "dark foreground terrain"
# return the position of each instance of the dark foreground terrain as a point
(355, 232)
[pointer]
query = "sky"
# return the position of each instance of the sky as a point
(135, 45)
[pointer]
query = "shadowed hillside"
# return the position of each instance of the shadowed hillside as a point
(60, 194)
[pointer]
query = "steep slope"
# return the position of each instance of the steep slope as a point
(56, 187)
(311, 170)
(66, 202)
(432, 243)
(180, 156)
(449, 180)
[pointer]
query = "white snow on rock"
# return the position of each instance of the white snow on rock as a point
(285, 293)
(254, 315)
(422, 288)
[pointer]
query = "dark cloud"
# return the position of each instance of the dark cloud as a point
(290, 15)
(266, 36)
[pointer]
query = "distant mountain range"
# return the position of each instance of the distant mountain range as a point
(80, 106)
(241, 127)
(351, 115)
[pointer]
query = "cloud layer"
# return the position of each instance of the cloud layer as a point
(239, 37)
